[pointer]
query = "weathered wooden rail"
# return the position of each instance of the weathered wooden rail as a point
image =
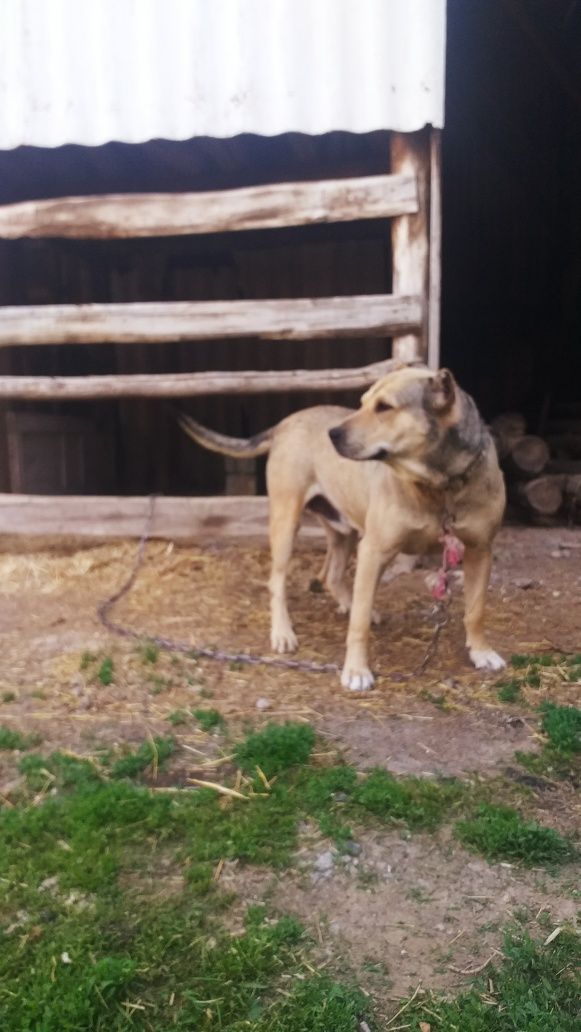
(409, 316)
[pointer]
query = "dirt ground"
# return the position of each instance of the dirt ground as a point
(421, 907)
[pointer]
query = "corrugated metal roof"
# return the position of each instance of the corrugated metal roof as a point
(92, 71)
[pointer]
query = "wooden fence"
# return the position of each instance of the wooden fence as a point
(409, 195)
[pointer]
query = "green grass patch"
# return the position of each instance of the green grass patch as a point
(325, 794)
(278, 747)
(510, 691)
(521, 661)
(84, 971)
(149, 652)
(178, 717)
(559, 757)
(208, 719)
(318, 1005)
(87, 660)
(416, 802)
(10, 739)
(152, 754)
(105, 673)
(500, 833)
(86, 944)
(8, 696)
(562, 725)
(550, 763)
(58, 771)
(78, 948)
(529, 667)
(536, 989)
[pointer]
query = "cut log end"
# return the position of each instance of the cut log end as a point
(528, 457)
(507, 429)
(542, 497)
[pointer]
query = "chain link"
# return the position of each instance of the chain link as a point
(105, 608)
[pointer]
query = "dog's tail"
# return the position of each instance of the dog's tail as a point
(238, 447)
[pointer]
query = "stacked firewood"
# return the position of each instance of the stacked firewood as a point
(543, 474)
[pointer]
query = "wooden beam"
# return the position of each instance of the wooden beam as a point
(365, 315)
(435, 258)
(189, 385)
(197, 519)
(410, 235)
(257, 207)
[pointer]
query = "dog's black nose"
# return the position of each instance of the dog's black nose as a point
(336, 434)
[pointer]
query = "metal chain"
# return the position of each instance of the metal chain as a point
(105, 608)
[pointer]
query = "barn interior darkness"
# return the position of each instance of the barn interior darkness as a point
(511, 317)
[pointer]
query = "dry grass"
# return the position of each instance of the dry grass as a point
(217, 596)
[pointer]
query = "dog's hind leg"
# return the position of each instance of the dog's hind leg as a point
(477, 565)
(285, 513)
(340, 550)
(330, 535)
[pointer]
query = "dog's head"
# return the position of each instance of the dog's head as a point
(402, 418)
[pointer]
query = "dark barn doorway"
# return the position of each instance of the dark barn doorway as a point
(512, 205)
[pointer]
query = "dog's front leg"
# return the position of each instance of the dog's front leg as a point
(477, 566)
(370, 563)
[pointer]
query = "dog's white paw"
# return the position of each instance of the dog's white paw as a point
(375, 617)
(487, 659)
(284, 641)
(357, 680)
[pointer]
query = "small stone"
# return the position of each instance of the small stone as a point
(49, 883)
(352, 848)
(263, 704)
(556, 594)
(340, 797)
(525, 583)
(324, 862)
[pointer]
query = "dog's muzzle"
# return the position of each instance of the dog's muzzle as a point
(341, 445)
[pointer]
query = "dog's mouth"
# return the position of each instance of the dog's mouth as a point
(348, 450)
(380, 455)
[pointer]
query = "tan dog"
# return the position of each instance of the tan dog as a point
(414, 457)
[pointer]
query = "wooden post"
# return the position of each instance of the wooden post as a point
(410, 242)
(240, 476)
(435, 281)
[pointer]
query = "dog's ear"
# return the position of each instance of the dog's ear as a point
(441, 391)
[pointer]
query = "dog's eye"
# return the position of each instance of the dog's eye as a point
(382, 406)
